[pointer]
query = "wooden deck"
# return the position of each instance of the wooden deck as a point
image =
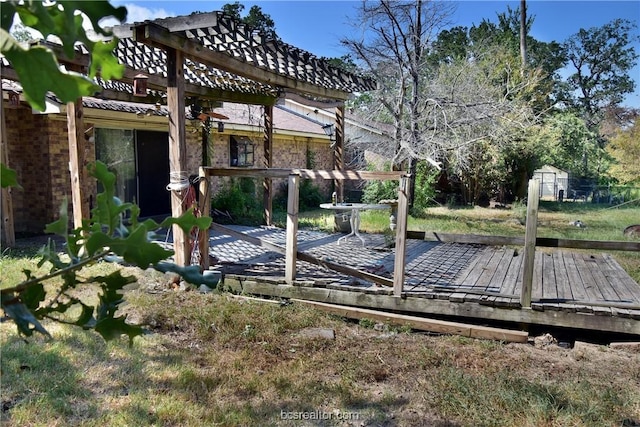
(578, 289)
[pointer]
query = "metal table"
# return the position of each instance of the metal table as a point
(355, 209)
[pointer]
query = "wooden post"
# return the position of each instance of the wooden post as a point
(7, 203)
(530, 242)
(268, 163)
(205, 208)
(75, 129)
(338, 151)
(177, 146)
(401, 237)
(291, 247)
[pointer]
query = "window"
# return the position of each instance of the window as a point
(241, 151)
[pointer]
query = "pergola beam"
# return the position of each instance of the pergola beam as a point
(158, 36)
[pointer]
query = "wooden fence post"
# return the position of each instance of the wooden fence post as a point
(205, 208)
(401, 237)
(291, 248)
(530, 242)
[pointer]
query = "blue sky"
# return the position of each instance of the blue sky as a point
(318, 26)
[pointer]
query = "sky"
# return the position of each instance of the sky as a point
(318, 26)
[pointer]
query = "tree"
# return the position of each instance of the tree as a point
(444, 94)
(104, 236)
(624, 148)
(570, 145)
(601, 58)
(399, 34)
(256, 18)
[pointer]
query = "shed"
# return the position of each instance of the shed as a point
(552, 182)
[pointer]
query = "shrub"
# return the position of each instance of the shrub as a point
(238, 199)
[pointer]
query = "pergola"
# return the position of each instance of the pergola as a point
(206, 56)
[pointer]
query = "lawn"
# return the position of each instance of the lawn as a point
(218, 359)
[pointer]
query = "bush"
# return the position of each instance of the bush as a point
(238, 199)
(310, 196)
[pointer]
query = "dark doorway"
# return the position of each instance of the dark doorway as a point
(152, 156)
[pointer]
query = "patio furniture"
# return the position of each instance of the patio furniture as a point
(355, 209)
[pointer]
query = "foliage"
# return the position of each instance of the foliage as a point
(256, 18)
(104, 236)
(624, 147)
(238, 199)
(37, 67)
(571, 146)
(601, 58)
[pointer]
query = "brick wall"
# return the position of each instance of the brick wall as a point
(288, 152)
(39, 152)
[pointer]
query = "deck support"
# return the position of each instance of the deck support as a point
(401, 236)
(177, 147)
(292, 229)
(75, 127)
(8, 228)
(267, 184)
(530, 242)
(205, 208)
(338, 151)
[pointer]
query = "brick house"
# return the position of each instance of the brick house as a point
(132, 138)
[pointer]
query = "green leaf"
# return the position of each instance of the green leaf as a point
(33, 296)
(23, 318)
(111, 328)
(86, 319)
(103, 62)
(61, 226)
(187, 221)
(8, 177)
(189, 273)
(39, 72)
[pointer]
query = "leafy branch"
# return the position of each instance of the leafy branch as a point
(106, 236)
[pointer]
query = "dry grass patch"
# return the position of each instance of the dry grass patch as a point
(217, 360)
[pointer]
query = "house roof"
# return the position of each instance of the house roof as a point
(284, 119)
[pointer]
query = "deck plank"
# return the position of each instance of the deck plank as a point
(626, 287)
(476, 268)
(605, 287)
(562, 278)
(512, 283)
(591, 287)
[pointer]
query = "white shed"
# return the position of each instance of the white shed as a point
(552, 181)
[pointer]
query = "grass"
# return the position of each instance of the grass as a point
(216, 359)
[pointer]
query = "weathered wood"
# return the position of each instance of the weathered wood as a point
(591, 287)
(205, 207)
(8, 227)
(177, 147)
(530, 242)
(549, 242)
(426, 306)
(421, 323)
(156, 35)
(401, 237)
(292, 228)
(628, 289)
(75, 130)
(465, 238)
(338, 151)
(563, 285)
(611, 245)
(267, 185)
(305, 173)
